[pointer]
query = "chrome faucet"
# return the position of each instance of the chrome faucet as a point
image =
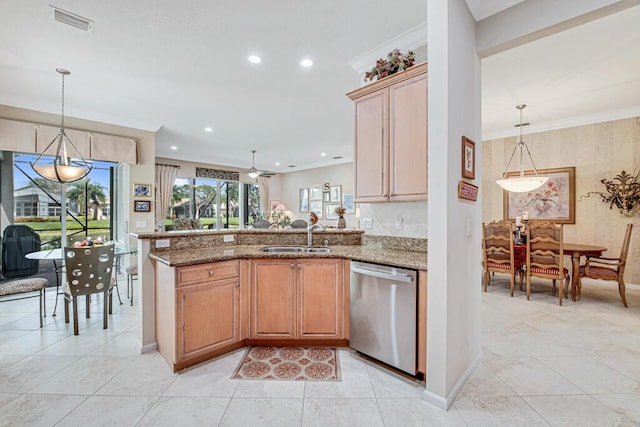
(310, 229)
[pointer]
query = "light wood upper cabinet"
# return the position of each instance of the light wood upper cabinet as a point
(297, 298)
(390, 149)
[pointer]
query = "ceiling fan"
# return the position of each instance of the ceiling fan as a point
(253, 172)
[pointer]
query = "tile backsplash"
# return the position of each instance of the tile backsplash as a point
(384, 215)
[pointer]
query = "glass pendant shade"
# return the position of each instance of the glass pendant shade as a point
(253, 172)
(68, 165)
(522, 183)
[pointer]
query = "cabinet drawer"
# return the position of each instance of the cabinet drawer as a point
(207, 272)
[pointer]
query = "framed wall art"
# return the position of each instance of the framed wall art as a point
(315, 206)
(142, 206)
(315, 192)
(330, 210)
(142, 190)
(553, 201)
(303, 206)
(468, 158)
(336, 193)
(348, 203)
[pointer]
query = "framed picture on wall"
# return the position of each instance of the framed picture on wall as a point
(468, 158)
(142, 206)
(315, 192)
(348, 203)
(330, 210)
(336, 193)
(316, 207)
(326, 196)
(142, 190)
(303, 206)
(554, 201)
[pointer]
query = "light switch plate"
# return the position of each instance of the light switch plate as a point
(228, 237)
(367, 223)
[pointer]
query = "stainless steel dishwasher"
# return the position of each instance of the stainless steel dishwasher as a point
(383, 314)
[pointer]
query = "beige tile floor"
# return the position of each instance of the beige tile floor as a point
(576, 365)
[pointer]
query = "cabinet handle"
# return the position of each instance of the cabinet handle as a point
(210, 272)
(292, 265)
(238, 285)
(299, 266)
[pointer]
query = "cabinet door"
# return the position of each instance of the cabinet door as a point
(207, 316)
(320, 298)
(408, 139)
(371, 148)
(273, 301)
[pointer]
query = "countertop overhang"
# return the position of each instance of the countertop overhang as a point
(393, 257)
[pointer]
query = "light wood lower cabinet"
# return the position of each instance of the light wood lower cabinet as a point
(201, 310)
(297, 299)
(208, 316)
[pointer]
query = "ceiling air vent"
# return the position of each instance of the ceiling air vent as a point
(71, 19)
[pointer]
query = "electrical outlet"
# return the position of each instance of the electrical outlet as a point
(228, 237)
(367, 223)
(162, 243)
(399, 223)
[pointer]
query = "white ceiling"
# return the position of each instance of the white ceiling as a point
(177, 67)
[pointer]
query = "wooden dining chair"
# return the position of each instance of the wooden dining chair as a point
(611, 269)
(89, 271)
(497, 250)
(545, 256)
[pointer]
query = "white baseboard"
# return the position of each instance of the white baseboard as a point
(445, 402)
(148, 347)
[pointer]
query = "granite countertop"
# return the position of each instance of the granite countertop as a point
(393, 257)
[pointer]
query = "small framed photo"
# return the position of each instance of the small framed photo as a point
(316, 207)
(141, 190)
(336, 193)
(330, 211)
(468, 158)
(142, 206)
(326, 197)
(315, 192)
(348, 203)
(304, 200)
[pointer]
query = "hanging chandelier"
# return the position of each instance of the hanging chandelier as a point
(68, 165)
(522, 183)
(253, 172)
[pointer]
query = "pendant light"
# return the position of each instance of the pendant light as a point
(253, 172)
(522, 183)
(68, 165)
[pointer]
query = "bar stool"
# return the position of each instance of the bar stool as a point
(131, 272)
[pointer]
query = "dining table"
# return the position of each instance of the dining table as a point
(56, 255)
(574, 250)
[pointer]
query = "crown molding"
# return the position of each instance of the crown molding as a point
(587, 119)
(410, 39)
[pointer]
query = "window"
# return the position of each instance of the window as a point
(217, 204)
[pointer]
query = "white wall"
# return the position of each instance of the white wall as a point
(453, 309)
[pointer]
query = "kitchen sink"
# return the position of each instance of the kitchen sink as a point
(302, 249)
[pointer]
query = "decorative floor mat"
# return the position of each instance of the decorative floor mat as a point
(289, 363)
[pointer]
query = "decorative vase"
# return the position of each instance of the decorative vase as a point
(342, 223)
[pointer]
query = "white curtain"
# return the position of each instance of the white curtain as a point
(263, 188)
(165, 178)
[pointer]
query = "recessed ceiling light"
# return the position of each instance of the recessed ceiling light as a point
(255, 59)
(306, 63)
(208, 129)
(173, 147)
(277, 163)
(323, 154)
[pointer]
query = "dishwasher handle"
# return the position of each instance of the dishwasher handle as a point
(405, 278)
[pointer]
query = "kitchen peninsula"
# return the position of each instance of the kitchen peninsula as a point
(245, 296)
